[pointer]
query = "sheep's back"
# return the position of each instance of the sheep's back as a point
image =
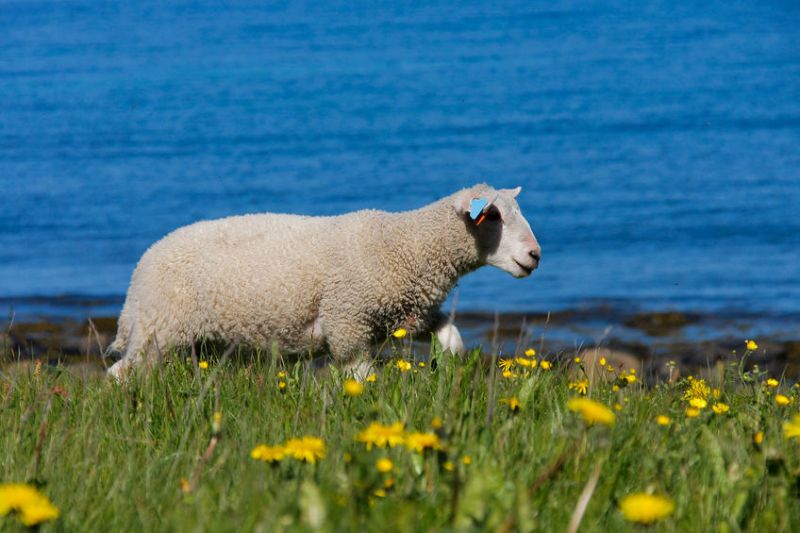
(252, 278)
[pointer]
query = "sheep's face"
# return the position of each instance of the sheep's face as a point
(503, 236)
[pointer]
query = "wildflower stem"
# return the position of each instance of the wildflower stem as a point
(552, 469)
(37, 451)
(583, 500)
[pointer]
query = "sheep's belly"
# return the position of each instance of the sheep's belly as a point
(307, 338)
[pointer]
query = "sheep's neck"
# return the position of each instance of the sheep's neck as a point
(433, 250)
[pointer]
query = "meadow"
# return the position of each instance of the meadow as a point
(253, 442)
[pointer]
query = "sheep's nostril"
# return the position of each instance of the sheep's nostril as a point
(536, 256)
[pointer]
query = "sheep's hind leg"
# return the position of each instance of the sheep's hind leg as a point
(358, 368)
(120, 368)
(135, 353)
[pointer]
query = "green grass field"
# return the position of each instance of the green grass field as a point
(149, 454)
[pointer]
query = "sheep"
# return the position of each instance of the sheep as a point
(314, 284)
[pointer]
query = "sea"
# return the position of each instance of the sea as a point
(657, 143)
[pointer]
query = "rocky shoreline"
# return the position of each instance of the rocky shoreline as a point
(696, 343)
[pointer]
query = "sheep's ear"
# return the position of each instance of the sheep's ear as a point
(475, 206)
(513, 193)
(463, 202)
(472, 205)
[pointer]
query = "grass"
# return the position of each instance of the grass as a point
(146, 455)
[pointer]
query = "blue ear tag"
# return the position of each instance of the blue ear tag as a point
(476, 207)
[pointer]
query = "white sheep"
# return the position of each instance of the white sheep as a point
(310, 284)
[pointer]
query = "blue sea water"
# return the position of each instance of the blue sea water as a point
(657, 143)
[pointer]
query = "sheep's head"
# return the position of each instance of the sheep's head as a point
(502, 235)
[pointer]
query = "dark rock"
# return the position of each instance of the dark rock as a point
(618, 359)
(66, 337)
(791, 351)
(660, 324)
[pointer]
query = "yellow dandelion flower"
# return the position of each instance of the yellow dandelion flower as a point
(581, 387)
(400, 333)
(758, 438)
(618, 407)
(524, 362)
(577, 360)
(530, 352)
(716, 393)
(403, 366)
(203, 365)
(216, 422)
(772, 383)
(380, 493)
(307, 449)
(268, 454)
(615, 388)
(602, 361)
(467, 460)
(782, 399)
(353, 387)
(720, 408)
(545, 365)
(33, 515)
(645, 508)
(630, 378)
(419, 442)
(609, 368)
(692, 412)
(508, 374)
(377, 434)
(282, 374)
(632, 371)
(31, 506)
(663, 420)
(185, 486)
(372, 378)
(592, 412)
(384, 465)
(513, 403)
(436, 422)
(282, 385)
(751, 345)
(791, 429)
(697, 388)
(506, 364)
(421, 364)
(15, 496)
(698, 403)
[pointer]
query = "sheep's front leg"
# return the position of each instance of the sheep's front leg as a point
(449, 336)
(349, 343)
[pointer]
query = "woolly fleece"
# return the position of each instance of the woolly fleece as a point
(308, 284)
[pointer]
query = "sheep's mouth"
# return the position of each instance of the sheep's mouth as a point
(526, 269)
